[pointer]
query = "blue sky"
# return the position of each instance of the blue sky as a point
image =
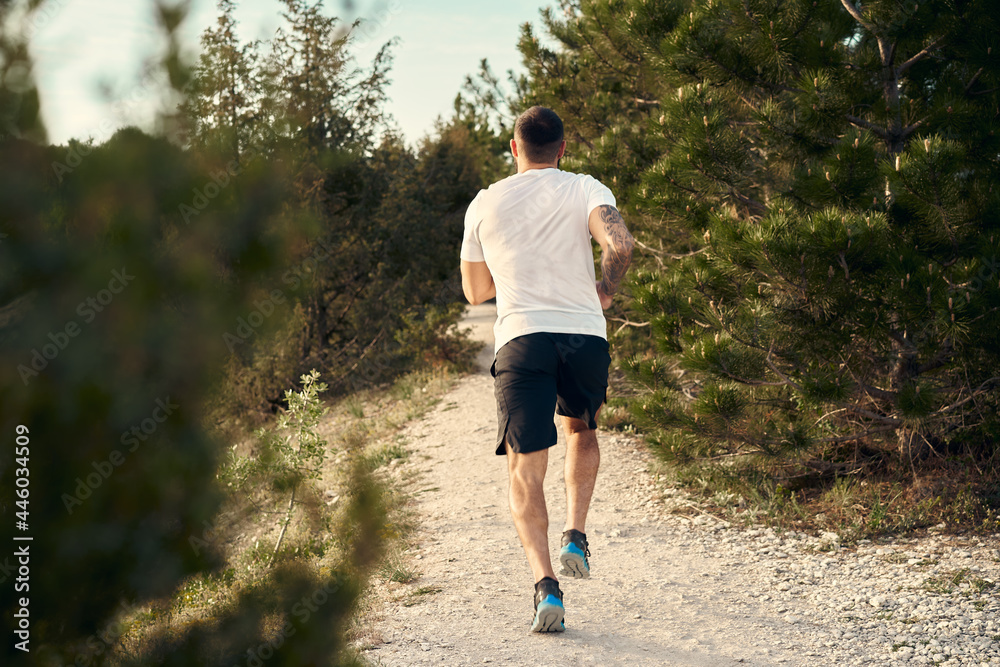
(89, 54)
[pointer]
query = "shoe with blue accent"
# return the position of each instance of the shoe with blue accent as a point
(574, 555)
(549, 612)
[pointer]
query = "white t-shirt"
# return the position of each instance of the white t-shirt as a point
(532, 230)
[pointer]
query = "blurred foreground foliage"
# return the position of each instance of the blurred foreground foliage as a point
(154, 288)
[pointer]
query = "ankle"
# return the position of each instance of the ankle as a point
(546, 579)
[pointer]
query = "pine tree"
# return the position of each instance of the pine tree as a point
(598, 78)
(327, 99)
(383, 216)
(488, 112)
(221, 111)
(834, 169)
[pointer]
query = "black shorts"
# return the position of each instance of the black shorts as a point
(541, 372)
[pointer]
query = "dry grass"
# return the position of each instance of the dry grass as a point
(945, 496)
(362, 427)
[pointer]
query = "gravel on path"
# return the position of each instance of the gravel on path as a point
(666, 589)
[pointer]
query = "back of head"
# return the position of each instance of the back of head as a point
(539, 133)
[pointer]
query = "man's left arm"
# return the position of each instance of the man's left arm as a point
(477, 282)
(608, 229)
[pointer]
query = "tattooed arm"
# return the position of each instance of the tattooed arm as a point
(608, 229)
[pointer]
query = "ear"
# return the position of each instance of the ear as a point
(562, 149)
(513, 148)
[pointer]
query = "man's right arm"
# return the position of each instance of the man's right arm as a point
(477, 282)
(608, 229)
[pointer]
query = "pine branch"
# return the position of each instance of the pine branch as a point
(982, 389)
(851, 408)
(773, 87)
(923, 53)
(887, 58)
(801, 289)
(858, 436)
(853, 11)
(882, 419)
(912, 127)
(940, 359)
(871, 391)
(757, 208)
(600, 56)
(751, 383)
(730, 455)
(627, 323)
(787, 380)
(988, 312)
(806, 19)
(972, 81)
(732, 334)
(826, 467)
(582, 139)
(864, 124)
(669, 255)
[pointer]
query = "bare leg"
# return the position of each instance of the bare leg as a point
(527, 507)
(583, 457)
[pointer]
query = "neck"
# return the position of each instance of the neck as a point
(527, 166)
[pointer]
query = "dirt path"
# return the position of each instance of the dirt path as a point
(659, 594)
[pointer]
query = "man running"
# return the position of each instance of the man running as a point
(527, 242)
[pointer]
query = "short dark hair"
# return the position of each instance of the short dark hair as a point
(539, 133)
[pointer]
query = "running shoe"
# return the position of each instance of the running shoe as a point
(549, 610)
(574, 555)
